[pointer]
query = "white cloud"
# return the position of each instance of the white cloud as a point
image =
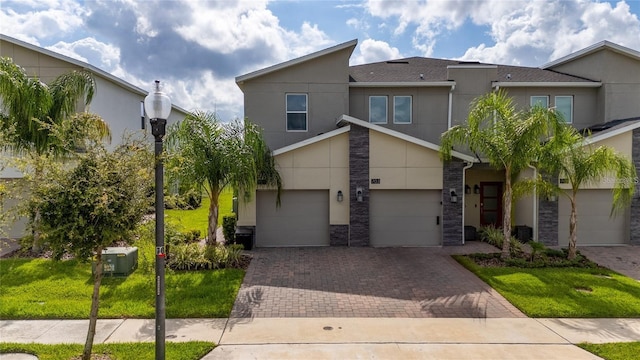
(92, 51)
(374, 50)
(34, 20)
(541, 32)
(524, 32)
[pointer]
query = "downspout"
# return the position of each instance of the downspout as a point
(464, 195)
(535, 205)
(453, 87)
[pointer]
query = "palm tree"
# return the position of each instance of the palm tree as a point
(507, 138)
(580, 163)
(211, 155)
(33, 109)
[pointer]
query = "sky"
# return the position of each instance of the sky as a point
(197, 48)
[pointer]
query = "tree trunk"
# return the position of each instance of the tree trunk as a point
(506, 219)
(213, 218)
(573, 223)
(35, 220)
(95, 298)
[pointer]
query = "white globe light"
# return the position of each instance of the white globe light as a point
(157, 105)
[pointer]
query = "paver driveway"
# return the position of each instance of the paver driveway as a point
(366, 282)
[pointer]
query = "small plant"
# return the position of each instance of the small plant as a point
(492, 235)
(536, 247)
(229, 228)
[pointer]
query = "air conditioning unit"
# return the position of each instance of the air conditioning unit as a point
(118, 261)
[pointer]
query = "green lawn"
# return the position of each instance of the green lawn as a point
(125, 351)
(198, 219)
(47, 289)
(614, 351)
(563, 292)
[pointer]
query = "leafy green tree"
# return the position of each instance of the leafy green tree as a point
(87, 207)
(569, 155)
(509, 139)
(31, 108)
(211, 155)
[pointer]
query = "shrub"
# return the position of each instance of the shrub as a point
(229, 228)
(193, 256)
(494, 236)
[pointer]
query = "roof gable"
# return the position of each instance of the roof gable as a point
(346, 119)
(349, 44)
(593, 49)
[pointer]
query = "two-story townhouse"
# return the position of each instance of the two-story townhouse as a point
(116, 101)
(357, 148)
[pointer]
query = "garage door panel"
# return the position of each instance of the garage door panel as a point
(404, 218)
(301, 220)
(595, 226)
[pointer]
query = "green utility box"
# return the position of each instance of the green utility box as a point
(118, 261)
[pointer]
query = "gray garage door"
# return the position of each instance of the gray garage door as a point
(595, 227)
(405, 217)
(301, 220)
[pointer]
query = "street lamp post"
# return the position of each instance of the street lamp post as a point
(157, 105)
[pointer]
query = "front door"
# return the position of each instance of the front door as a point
(491, 204)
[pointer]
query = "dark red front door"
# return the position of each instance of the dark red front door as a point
(491, 204)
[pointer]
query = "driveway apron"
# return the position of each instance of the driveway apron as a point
(367, 282)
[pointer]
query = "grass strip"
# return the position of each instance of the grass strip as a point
(562, 292)
(614, 351)
(117, 351)
(47, 289)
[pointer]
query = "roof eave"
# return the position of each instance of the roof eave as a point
(580, 84)
(609, 134)
(402, 84)
(312, 140)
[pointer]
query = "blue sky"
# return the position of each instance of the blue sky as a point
(197, 48)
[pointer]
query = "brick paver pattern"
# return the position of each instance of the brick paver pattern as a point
(367, 282)
(622, 259)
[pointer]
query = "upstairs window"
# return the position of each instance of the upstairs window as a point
(564, 105)
(378, 109)
(402, 109)
(297, 116)
(542, 101)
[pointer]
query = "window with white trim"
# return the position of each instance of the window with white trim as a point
(297, 112)
(540, 100)
(378, 109)
(402, 109)
(564, 105)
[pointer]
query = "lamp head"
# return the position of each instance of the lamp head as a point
(157, 105)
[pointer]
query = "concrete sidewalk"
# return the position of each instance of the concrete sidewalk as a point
(338, 338)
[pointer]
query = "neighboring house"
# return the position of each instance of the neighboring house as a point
(116, 101)
(357, 148)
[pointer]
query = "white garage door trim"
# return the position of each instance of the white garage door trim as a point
(301, 220)
(408, 218)
(595, 227)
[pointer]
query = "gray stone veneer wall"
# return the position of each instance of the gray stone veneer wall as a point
(358, 176)
(634, 224)
(452, 212)
(339, 235)
(548, 217)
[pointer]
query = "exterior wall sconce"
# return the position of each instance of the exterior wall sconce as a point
(340, 196)
(476, 189)
(454, 196)
(467, 189)
(359, 194)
